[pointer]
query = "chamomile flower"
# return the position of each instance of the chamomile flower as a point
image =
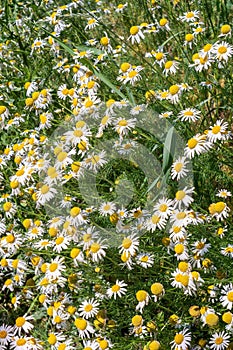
(45, 194)
(228, 251)
(124, 126)
(19, 343)
(181, 251)
(164, 207)
(155, 221)
(117, 290)
(84, 327)
(179, 168)
(107, 208)
(143, 299)
(218, 131)
(190, 16)
(6, 334)
(189, 114)
(177, 233)
(97, 250)
(174, 93)
(157, 290)
(89, 308)
(121, 7)
(55, 268)
(225, 31)
(223, 193)
(183, 198)
(227, 296)
(201, 247)
(222, 52)
(145, 260)
(129, 245)
(95, 160)
(219, 210)
(181, 340)
(170, 67)
(91, 23)
(196, 145)
(219, 341)
(136, 34)
(22, 323)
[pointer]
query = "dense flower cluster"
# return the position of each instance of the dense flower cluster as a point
(79, 75)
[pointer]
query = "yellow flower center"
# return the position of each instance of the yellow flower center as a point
(53, 267)
(3, 334)
(179, 248)
(222, 49)
(159, 56)
(7, 206)
(189, 37)
(163, 22)
(125, 66)
(127, 242)
(216, 129)
(95, 159)
(137, 320)
(230, 296)
(115, 288)
(189, 15)
(156, 288)
(80, 323)
(52, 339)
(74, 253)
(183, 266)
(20, 342)
(20, 321)
(180, 195)
(61, 156)
(88, 307)
(155, 219)
(227, 317)
(184, 279)
(134, 30)
(75, 211)
(44, 189)
(218, 340)
(192, 143)
(95, 247)
(178, 167)
(104, 41)
(179, 338)
(225, 29)
(168, 64)
(181, 215)
(10, 238)
(211, 319)
(174, 89)
(219, 207)
(141, 295)
(123, 122)
(78, 133)
(59, 240)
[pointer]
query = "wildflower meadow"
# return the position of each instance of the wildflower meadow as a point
(116, 178)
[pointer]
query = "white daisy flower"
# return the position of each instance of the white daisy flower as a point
(136, 34)
(227, 296)
(183, 198)
(219, 341)
(189, 114)
(117, 290)
(182, 340)
(21, 323)
(88, 308)
(179, 168)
